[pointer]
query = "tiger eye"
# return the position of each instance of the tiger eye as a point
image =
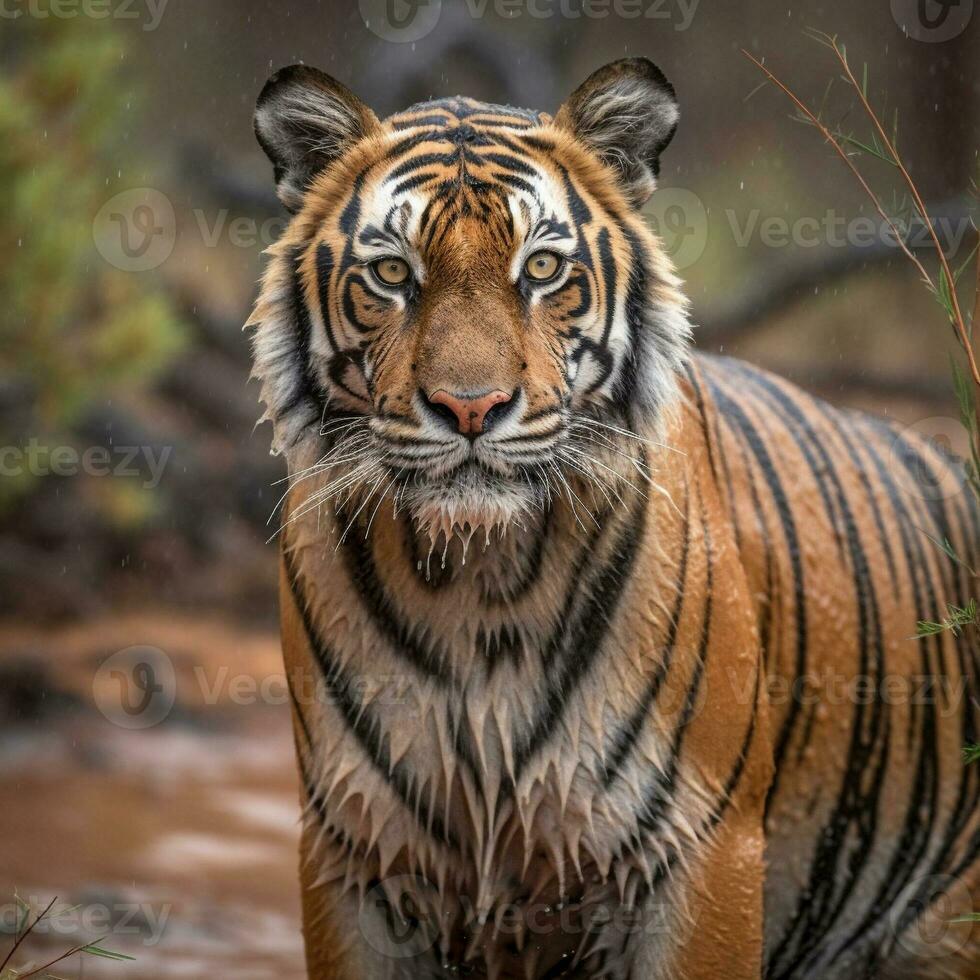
(542, 266)
(391, 271)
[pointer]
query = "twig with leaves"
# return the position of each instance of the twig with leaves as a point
(883, 146)
(27, 922)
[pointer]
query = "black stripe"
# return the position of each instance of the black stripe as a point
(607, 265)
(757, 445)
(403, 637)
(853, 819)
(307, 387)
(659, 795)
(580, 637)
(626, 736)
(359, 718)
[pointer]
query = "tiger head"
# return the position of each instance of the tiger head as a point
(465, 290)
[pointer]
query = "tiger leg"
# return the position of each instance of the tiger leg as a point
(722, 934)
(331, 949)
(379, 931)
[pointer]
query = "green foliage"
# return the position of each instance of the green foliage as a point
(966, 403)
(74, 328)
(957, 618)
(28, 919)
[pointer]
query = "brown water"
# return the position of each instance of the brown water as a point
(179, 839)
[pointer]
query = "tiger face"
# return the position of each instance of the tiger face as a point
(467, 295)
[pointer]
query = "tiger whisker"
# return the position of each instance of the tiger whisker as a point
(357, 513)
(602, 440)
(572, 494)
(628, 433)
(321, 466)
(358, 476)
(593, 480)
(596, 462)
(377, 506)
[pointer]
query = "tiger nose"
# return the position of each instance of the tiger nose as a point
(470, 414)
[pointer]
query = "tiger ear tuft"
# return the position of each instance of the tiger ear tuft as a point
(626, 113)
(304, 120)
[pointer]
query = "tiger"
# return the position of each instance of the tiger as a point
(601, 651)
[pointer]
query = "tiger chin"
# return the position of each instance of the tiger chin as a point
(567, 609)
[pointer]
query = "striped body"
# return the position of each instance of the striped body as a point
(623, 684)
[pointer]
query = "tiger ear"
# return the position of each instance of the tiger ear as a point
(304, 120)
(626, 113)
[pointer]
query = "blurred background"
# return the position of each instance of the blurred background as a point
(145, 747)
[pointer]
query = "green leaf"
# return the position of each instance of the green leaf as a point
(968, 261)
(944, 293)
(872, 150)
(957, 618)
(109, 954)
(947, 549)
(965, 396)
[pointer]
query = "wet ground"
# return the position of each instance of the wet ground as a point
(179, 838)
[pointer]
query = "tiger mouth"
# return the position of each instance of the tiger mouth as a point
(469, 496)
(473, 474)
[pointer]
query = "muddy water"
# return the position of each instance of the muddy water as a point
(178, 839)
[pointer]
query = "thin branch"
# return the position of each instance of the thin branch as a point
(959, 324)
(842, 153)
(64, 956)
(976, 303)
(27, 932)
